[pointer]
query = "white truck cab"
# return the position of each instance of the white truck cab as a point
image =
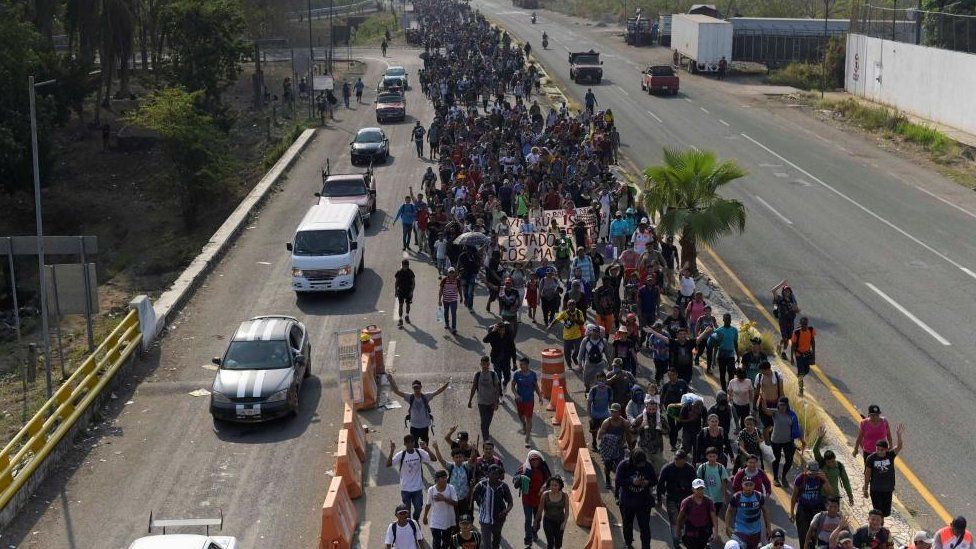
(328, 250)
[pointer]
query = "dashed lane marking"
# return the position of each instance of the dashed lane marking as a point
(772, 209)
(928, 329)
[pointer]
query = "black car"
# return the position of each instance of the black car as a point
(260, 375)
(370, 144)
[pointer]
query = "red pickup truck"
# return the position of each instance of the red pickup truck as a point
(659, 79)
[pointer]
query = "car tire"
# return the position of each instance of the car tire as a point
(293, 412)
(362, 264)
(367, 223)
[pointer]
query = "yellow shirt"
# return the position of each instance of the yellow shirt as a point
(572, 324)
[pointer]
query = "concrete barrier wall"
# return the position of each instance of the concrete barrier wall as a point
(927, 82)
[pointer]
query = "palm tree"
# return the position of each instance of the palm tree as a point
(684, 190)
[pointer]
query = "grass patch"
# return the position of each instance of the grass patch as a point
(372, 31)
(894, 124)
(275, 152)
(803, 76)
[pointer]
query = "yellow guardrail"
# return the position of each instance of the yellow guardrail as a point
(35, 441)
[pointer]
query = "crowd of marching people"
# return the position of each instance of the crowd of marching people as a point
(634, 328)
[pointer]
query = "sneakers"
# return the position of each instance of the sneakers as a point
(407, 318)
(400, 324)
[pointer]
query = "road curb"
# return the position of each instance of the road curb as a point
(173, 299)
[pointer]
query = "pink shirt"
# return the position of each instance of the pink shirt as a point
(872, 432)
(695, 310)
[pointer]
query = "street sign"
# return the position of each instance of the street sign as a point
(322, 82)
(67, 288)
(348, 357)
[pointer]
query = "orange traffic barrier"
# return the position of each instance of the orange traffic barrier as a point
(558, 403)
(339, 517)
(377, 334)
(570, 437)
(601, 537)
(348, 466)
(357, 434)
(552, 366)
(370, 390)
(556, 383)
(585, 496)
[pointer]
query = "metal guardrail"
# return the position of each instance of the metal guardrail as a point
(21, 457)
(318, 13)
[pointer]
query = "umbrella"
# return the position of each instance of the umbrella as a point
(472, 238)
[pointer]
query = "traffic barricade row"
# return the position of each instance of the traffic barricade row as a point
(585, 497)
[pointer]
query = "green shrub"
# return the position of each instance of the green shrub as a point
(883, 119)
(275, 152)
(804, 76)
(372, 31)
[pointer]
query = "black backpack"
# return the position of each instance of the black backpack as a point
(410, 401)
(413, 526)
(595, 353)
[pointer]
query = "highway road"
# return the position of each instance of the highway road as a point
(878, 248)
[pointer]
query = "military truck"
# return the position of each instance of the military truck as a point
(585, 66)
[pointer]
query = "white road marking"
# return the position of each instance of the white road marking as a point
(655, 117)
(623, 91)
(688, 99)
(781, 175)
(803, 182)
(939, 198)
(724, 123)
(704, 110)
(772, 209)
(969, 272)
(373, 467)
(908, 313)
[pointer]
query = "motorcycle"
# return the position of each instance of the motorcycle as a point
(533, 19)
(545, 42)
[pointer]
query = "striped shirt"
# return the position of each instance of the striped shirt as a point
(449, 289)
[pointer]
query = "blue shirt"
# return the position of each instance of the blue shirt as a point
(407, 213)
(618, 227)
(599, 399)
(726, 336)
(525, 383)
(748, 512)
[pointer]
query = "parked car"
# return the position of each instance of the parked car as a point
(260, 375)
(660, 79)
(390, 105)
(400, 72)
(370, 146)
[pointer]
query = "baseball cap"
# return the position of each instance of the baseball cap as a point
(698, 483)
(721, 396)
(643, 220)
(874, 409)
(402, 509)
(733, 544)
(615, 406)
(465, 519)
(924, 537)
(813, 466)
(777, 533)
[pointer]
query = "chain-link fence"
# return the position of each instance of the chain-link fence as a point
(938, 29)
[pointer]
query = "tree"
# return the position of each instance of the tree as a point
(206, 40)
(685, 191)
(194, 144)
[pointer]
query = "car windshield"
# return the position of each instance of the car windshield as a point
(369, 137)
(587, 59)
(396, 71)
(318, 243)
(392, 82)
(256, 355)
(343, 187)
(388, 98)
(661, 71)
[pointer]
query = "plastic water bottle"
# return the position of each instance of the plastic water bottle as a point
(440, 314)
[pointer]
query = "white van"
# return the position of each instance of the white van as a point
(328, 249)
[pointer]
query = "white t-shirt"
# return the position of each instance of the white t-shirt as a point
(404, 535)
(739, 391)
(411, 473)
(641, 239)
(687, 286)
(441, 514)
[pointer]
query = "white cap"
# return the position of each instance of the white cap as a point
(698, 483)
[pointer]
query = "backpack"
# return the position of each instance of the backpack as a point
(595, 353)
(413, 527)
(494, 377)
(410, 401)
(777, 377)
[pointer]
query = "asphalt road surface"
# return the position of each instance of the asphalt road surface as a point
(879, 249)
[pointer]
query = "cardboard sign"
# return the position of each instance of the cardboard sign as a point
(523, 247)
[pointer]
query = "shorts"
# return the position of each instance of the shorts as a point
(405, 298)
(803, 363)
(525, 409)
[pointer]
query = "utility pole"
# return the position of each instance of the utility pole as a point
(311, 63)
(826, 46)
(331, 33)
(40, 233)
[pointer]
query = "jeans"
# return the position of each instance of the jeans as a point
(487, 413)
(503, 368)
(642, 514)
(440, 539)
(450, 314)
(804, 515)
(420, 148)
(554, 533)
(742, 411)
(468, 283)
(529, 513)
(726, 366)
(570, 348)
(491, 534)
(785, 452)
(407, 231)
(413, 498)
